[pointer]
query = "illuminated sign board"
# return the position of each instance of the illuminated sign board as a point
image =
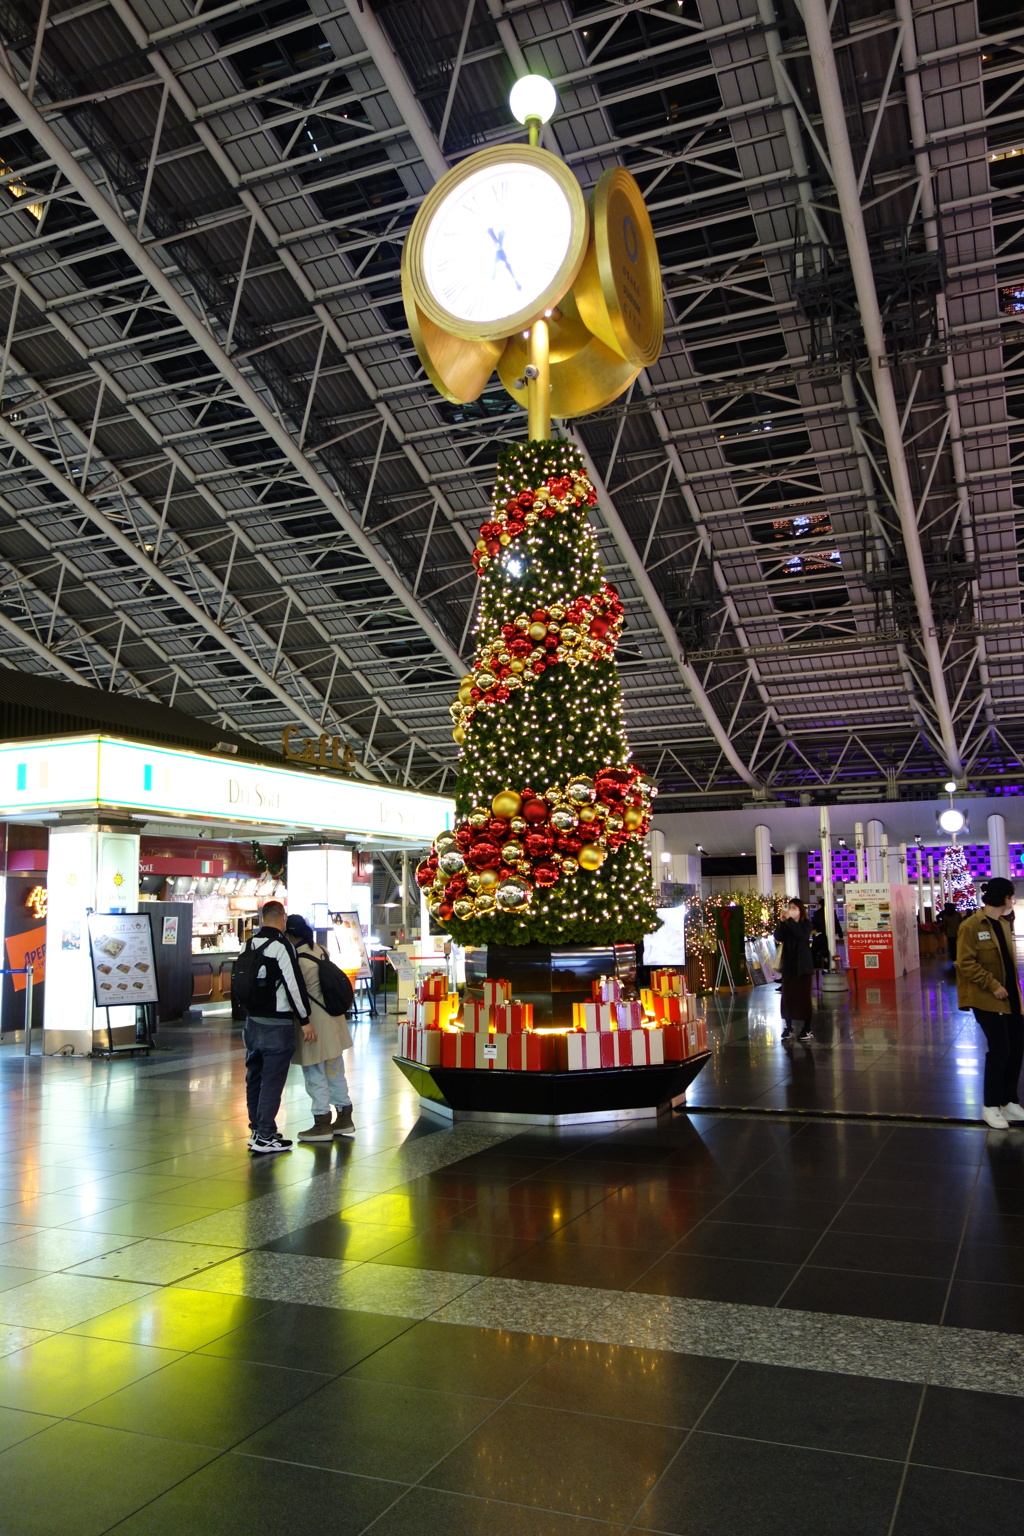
(100, 772)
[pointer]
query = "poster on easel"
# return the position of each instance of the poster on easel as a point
(122, 958)
(347, 944)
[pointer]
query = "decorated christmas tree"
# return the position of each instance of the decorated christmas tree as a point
(956, 879)
(550, 810)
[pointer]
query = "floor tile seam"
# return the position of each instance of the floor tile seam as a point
(959, 1250)
(905, 1470)
(797, 1445)
(119, 1523)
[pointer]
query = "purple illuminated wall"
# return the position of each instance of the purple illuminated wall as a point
(844, 862)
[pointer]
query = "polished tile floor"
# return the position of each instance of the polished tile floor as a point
(705, 1324)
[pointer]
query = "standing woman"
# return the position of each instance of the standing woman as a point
(987, 981)
(320, 1043)
(794, 934)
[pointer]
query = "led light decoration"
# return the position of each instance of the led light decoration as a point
(550, 810)
(956, 879)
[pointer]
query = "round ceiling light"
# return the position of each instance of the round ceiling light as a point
(952, 820)
(533, 96)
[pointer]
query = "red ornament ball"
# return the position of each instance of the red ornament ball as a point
(545, 874)
(445, 911)
(484, 855)
(534, 811)
(425, 875)
(538, 844)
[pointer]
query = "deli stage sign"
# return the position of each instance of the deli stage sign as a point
(105, 773)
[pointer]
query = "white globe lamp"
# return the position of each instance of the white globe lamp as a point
(533, 97)
(952, 820)
(950, 786)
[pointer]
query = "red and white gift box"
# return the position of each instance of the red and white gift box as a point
(639, 1047)
(497, 991)
(432, 987)
(475, 1014)
(675, 1041)
(458, 1049)
(537, 1053)
(587, 1051)
(511, 1018)
(698, 1030)
(600, 1016)
(669, 1010)
(420, 1045)
(606, 990)
(669, 983)
(491, 1052)
(435, 1013)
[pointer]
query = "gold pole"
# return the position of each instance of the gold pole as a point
(533, 128)
(538, 389)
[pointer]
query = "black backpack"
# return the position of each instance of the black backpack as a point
(336, 988)
(255, 978)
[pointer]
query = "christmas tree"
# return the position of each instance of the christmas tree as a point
(956, 879)
(550, 810)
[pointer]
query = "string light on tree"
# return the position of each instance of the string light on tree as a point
(551, 811)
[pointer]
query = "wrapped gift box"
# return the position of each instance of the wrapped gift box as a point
(639, 1047)
(606, 990)
(432, 987)
(438, 1012)
(605, 1016)
(675, 1041)
(420, 1045)
(511, 1018)
(537, 1053)
(491, 1052)
(631, 1014)
(698, 1032)
(669, 1010)
(668, 983)
(585, 1052)
(475, 1014)
(497, 991)
(458, 1049)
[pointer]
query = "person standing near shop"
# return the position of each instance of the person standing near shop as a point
(988, 982)
(797, 968)
(323, 1040)
(268, 983)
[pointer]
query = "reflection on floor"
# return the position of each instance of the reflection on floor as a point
(705, 1324)
(884, 1048)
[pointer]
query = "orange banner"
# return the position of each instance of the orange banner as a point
(27, 949)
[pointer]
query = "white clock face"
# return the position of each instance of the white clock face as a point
(496, 242)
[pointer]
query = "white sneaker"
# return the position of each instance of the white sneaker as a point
(1013, 1112)
(995, 1118)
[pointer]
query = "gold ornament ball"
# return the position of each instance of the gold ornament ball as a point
(633, 817)
(557, 612)
(504, 538)
(444, 840)
(473, 881)
(481, 545)
(513, 895)
(512, 852)
(580, 790)
(591, 857)
(488, 879)
(458, 735)
(513, 682)
(538, 632)
(479, 816)
(521, 620)
(484, 902)
(569, 635)
(463, 907)
(517, 666)
(504, 659)
(506, 803)
(614, 824)
(517, 824)
(485, 680)
(552, 794)
(563, 819)
(587, 813)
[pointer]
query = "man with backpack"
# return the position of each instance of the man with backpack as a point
(323, 1067)
(268, 984)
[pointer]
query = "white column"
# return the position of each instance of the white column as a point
(933, 897)
(685, 869)
(999, 851)
(920, 885)
(901, 864)
(657, 846)
(826, 878)
(319, 877)
(858, 843)
(876, 873)
(92, 867)
(763, 855)
(791, 861)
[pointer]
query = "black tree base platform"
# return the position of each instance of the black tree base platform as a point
(551, 1098)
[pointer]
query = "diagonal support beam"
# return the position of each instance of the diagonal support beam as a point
(819, 37)
(110, 217)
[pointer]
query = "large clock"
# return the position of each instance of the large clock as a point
(498, 240)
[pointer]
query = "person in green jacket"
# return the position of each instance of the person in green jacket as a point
(987, 981)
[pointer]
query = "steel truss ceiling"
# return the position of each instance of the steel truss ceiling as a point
(225, 483)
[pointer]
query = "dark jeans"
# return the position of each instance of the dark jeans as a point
(269, 1045)
(1005, 1035)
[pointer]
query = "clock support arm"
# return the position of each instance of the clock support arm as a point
(538, 383)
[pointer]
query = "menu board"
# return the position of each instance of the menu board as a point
(122, 958)
(346, 944)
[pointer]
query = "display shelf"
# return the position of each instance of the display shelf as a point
(551, 1098)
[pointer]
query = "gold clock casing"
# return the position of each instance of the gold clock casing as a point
(619, 292)
(587, 381)
(457, 366)
(414, 283)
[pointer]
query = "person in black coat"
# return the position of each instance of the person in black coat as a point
(794, 935)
